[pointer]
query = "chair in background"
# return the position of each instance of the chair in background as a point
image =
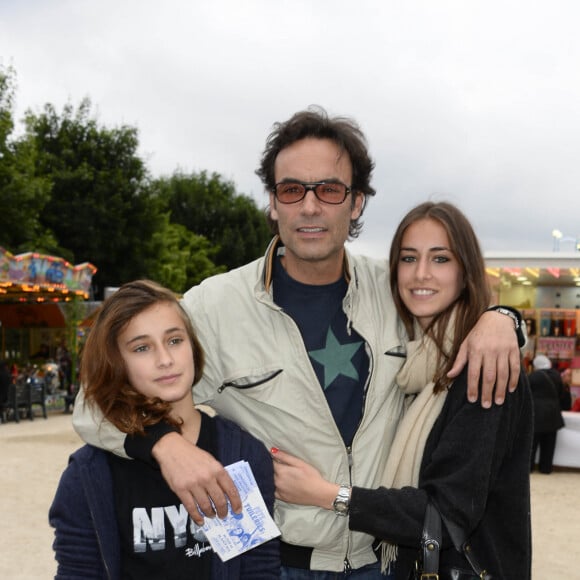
(38, 390)
(23, 397)
(18, 404)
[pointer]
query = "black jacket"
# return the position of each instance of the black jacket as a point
(476, 470)
(86, 534)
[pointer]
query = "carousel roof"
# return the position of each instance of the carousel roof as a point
(38, 278)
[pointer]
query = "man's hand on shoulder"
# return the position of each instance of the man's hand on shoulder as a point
(196, 477)
(492, 350)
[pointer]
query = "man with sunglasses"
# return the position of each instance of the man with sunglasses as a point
(302, 350)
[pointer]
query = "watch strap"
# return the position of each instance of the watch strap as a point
(341, 503)
(515, 315)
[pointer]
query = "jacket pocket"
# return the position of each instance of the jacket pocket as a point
(251, 381)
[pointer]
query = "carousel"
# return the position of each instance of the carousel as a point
(44, 301)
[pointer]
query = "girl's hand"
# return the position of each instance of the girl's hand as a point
(300, 483)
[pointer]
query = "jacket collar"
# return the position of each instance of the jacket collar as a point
(271, 253)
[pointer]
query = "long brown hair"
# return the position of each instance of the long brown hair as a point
(475, 296)
(102, 369)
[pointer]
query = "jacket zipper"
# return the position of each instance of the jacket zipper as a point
(100, 543)
(238, 384)
(347, 567)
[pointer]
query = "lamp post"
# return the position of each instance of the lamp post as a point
(560, 237)
(557, 235)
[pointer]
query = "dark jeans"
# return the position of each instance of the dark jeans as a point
(370, 572)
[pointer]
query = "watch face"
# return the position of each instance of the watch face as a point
(341, 506)
(342, 501)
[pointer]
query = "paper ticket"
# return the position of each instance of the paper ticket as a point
(238, 533)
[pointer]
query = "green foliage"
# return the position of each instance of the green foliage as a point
(23, 195)
(7, 90)
(182, 258)
(74, 188)
(101, 209)
(210, 206)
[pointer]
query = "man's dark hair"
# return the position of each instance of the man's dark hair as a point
(315, 123)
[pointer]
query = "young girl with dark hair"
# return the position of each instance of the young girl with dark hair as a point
(116, 518)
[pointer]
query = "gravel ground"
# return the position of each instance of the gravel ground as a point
(34, 453)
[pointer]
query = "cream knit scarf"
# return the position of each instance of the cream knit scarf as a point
(415, 377)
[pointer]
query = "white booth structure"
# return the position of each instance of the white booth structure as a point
(567, 452)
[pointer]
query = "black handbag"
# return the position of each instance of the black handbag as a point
(427, 568)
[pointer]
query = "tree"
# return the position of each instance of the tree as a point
(23, 195)
(101, 208)
(210, 206)
(182, 258)
(77, 189)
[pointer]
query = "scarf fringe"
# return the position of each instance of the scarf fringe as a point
(388, 554)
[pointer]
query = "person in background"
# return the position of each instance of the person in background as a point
(302, 349)
(567, 380)
(64, 361)
(471, 463)
(14, 372)
(547, 390)
(118, 519)
(5, 382)
(566, 398)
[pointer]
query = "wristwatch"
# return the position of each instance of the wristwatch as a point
(341, 503)
(520, 325)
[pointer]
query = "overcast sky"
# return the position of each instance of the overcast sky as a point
(475, 102)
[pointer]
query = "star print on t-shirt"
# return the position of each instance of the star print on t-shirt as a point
(336, 350)
(336, 358)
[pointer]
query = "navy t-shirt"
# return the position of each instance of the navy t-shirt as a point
(158, 538)
(338, 357)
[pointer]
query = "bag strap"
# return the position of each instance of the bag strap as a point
(462, 545)
(431, 544)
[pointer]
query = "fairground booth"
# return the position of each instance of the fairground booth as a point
(44, 302)
(545, 287)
